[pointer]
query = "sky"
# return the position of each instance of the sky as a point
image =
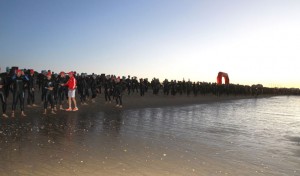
(255, 42)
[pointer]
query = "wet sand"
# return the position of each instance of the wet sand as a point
(101, 139)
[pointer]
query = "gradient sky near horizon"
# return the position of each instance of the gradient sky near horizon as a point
(255, 41)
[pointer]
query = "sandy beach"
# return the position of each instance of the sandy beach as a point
(151, 135)
(132, 101)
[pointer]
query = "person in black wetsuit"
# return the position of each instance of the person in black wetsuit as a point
(83, 88)
(31, 89)
(55, 90)
(166, 85)
(118, 92)
(107, 89)
(49, 85)
(128, 84)
(3, 99)
(42, 82)
(142, 87)
(94, 86)
(62, 90)
(18, 87)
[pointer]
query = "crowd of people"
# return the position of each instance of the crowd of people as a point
(55, 88)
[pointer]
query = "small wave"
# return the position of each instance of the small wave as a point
(277, 114)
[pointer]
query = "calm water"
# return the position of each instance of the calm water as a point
(240, 137)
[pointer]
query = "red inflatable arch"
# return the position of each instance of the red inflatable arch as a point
(222, 75)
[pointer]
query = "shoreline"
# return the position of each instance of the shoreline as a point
(132, 101)
(101, 139)
(153, 101)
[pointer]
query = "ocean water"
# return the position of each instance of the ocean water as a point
(235, 137)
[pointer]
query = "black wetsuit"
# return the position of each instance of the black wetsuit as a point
(62, 90)
(173, 88)
(55, 91)
(107, 90)
(43, 81)
(93, 85)
(142, 88)
(2, 93)
(166, 87)
(40, 79)
(83, 89)
(118, 93)
(135, 85)
(128, 85)
(31, 89)
(18, 91)
(49, 94)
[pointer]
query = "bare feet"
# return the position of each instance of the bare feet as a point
(34, 105)
(53, 112)
(23, 114)
(45, 112)
(75, 109)
(29, 106)
(4, 115)
(12, 114)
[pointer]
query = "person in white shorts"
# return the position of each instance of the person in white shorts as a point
(72, 84)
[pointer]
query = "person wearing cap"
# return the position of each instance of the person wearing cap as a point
(118, 92)
(128, 84)
(31, 88)
(107, 89)
(3, 99)
(49, 92)
(142, 87)
(83, 88)
(93, 86)
(18, 83)
(71, 84)
(62, 91)
(43, 79)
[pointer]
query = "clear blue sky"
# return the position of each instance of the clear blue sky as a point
(255, 41)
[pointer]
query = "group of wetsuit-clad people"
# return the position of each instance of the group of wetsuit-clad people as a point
(55, 88)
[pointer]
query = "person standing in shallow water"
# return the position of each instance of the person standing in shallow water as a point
(49, 92)
(71, 84)
(18, 83)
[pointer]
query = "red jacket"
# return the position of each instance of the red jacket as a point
(71, 83)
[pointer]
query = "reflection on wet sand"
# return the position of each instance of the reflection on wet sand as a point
(222, 138)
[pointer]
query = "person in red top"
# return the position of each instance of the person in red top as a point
(71, 84)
